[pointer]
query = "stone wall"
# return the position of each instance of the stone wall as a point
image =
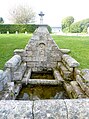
(13, 71)
(76, 82)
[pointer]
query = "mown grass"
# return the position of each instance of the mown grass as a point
(10, 42)
(79, 46)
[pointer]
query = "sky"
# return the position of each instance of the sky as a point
(54, 10)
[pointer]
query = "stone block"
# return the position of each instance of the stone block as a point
(80, 82)
(77, 91)
(27, 59)
(4, 78)
(67, 75)
(57, 75)
(87, 90)
(85, 74)
(1, 85)
(45, 109)
(6, 96)
(24, 58)
(31, 64)
(7, 76)
(42, 81)
(11, 87)
(77, 109)
(19, 52)
(55, 57)
(62, 67)
(51, 64)
(29, 53)
(34, 69)
(16, 109)
(70, 61)
(65, 51)
(49, 109)
(1, 74)
(67, 66)
(68, 89)
(13, 63)
(18, 74)
(83, 85)
(17, 89)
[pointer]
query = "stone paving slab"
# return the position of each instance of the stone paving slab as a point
(13, 109)
(77, 108)
(45, 109)
(61, 109)
(50, 109)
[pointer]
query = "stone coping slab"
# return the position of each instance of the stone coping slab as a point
(70, 61)
(45, 109)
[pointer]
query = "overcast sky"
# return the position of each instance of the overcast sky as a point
(54, 10)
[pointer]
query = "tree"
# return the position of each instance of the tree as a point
(1, 20)
(22, 14)
(80, 26)
(66, 22)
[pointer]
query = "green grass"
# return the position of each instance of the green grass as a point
(79, 46)
(10, 42)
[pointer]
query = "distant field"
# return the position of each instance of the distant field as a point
(79, 46)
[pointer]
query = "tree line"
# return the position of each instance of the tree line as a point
(68, 25)
(20, 28)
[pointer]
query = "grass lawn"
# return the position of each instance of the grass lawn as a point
(10, 42)
(79, 46)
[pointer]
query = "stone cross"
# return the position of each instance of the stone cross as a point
(41, 17)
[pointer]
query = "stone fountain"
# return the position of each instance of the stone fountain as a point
(33, 65)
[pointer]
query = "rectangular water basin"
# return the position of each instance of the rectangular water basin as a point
(39, 92)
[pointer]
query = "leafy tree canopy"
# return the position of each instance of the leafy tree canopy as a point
(80, 26)
(22, 14)
(66, 22)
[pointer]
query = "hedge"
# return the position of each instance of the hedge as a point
(20, 28)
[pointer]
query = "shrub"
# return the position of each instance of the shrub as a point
(21, 28)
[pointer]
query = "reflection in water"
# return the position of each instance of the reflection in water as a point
(37, 92)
